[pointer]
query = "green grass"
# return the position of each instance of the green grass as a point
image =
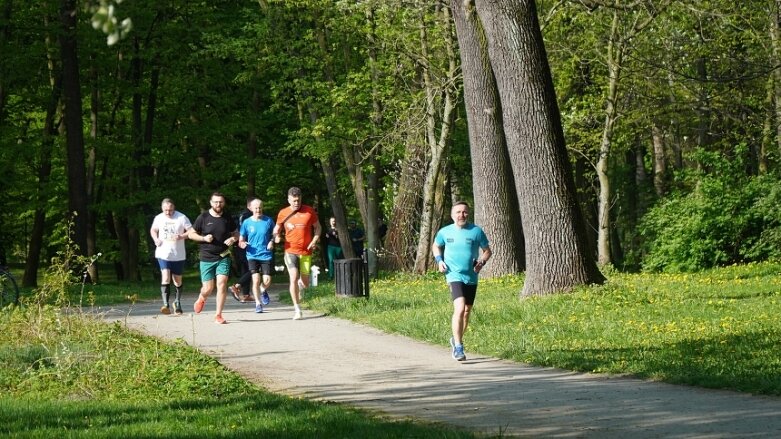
(67, 375)
(717, 329)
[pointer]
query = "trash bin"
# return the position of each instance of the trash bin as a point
(350, 278)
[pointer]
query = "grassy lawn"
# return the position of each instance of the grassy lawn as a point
(70, 376)
(717, 329)
(64, 375)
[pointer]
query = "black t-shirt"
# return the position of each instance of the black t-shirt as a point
(220, 227)
(332, 237)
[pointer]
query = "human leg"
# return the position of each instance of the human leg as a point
(222, 271)
(305, 270)
(208, 282)
(177, 268)
(291, 261)
(265, 270)
(457, 320)
(165, 285)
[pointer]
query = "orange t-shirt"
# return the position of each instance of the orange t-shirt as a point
(298, 228)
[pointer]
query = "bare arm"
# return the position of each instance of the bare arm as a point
(436, 252)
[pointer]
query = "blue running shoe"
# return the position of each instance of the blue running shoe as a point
(458, 350)
(258, 309)
(264, 299)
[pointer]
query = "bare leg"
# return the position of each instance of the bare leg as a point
(256, 287)
(294, 293)
(222, 292)
(458, 321)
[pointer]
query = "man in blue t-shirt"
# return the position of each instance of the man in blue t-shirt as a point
(461, 250)
(255, 237)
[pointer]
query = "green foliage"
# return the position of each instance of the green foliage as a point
(727, 218)
(716, 329)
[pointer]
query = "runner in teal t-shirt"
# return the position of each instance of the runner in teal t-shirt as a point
(461, 250)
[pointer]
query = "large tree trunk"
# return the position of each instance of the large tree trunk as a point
(77, 193)
(557, 253)
(496, 202)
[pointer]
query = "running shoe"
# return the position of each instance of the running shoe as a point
(264, 299)
(235, 291)
(258, 308)
(458, 350)
(219, 320)
(178, 308)
(165, 309)
(198, 307)
(297, 315)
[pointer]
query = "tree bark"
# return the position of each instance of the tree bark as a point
(775, 37)
(615, 49)
(77, 194)
(32, 264)
(660, 161)
(557, 253)
(401, 240)
(495, 200)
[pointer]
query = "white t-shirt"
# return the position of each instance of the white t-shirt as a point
(168, 229)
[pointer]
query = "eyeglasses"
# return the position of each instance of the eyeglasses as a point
(217, 202)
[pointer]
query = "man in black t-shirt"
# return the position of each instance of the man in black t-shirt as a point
(216, 233)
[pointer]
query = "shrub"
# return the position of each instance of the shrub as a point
(727, 218)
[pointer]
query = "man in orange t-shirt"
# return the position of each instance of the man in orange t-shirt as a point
(302, 229)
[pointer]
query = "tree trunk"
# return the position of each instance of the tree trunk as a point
(775, 37)
(438, 151)
(32, 264)
(5, 36)
(400, 242)
(615, 50)
(557, 253)
(252, 149)
(77, 194)
(496, 202)
(92, 245)
(660, 161)
(337, 208)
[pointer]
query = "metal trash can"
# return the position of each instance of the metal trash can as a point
(351, 277)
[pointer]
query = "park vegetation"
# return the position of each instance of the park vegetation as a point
(662, 120)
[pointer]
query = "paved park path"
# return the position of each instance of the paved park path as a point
(329, 359)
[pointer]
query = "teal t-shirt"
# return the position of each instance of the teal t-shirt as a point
(461, 250)
(258, 234)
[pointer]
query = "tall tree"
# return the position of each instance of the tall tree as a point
(495, 200)
(557, 253)
(71, 87)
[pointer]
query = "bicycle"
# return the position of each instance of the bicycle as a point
(9, 291)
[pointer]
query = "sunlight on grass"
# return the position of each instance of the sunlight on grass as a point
(71, 375)
(715, 329)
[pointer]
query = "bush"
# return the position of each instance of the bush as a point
(727, 218)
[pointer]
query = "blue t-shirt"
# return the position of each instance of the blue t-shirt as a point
(461, 250)
(258, 233)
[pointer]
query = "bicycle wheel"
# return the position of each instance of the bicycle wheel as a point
(9, 292)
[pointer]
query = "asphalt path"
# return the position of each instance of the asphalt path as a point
(329, 359)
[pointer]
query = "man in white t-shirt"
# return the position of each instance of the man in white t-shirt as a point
(169, 230)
